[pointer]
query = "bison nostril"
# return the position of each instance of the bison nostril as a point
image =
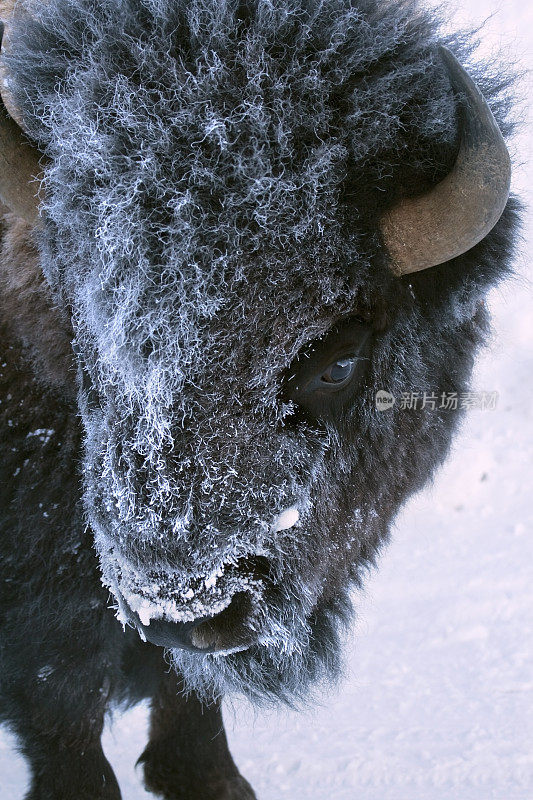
(257, 568)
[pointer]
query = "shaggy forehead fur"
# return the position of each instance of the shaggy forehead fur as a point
(216, 173)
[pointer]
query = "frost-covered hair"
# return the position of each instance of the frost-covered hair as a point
(216, 173)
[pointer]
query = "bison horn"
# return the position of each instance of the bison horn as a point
(20, 169)
(458, 212)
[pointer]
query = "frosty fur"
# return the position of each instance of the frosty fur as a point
(188, 201)
(216, 173)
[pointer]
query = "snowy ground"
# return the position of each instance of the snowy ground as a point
(438, 699)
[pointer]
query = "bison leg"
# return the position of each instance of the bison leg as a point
(61, 772)
(187, 757)
(59, 723)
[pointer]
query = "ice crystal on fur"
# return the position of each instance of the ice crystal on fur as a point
(217, 170)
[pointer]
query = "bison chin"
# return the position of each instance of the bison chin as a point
(298, 651)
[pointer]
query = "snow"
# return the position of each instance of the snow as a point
(287, 519)
(437, 699)
(43, 434)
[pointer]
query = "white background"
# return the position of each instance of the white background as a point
(437, 703)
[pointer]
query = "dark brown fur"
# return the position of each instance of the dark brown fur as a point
(65, 657)
(187, 757)
(27, 308)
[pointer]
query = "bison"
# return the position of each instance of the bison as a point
(228, 226)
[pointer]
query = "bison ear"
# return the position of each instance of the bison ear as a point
(462, 209)
(20, 170)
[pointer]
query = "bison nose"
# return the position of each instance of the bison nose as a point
(230, 630)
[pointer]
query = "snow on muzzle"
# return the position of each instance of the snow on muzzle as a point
(218, 613)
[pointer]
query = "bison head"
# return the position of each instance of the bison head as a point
(238, 207)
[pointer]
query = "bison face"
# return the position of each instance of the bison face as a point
(220, 213)
(221, 469)
(224, 471)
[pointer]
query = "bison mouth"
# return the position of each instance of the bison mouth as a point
(233, 629)
(219, 613)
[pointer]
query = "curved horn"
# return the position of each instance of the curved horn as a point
(7, 14)
(459, 211)
(20, 169)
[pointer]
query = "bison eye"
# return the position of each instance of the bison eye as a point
(325, 376)
(339, 372)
